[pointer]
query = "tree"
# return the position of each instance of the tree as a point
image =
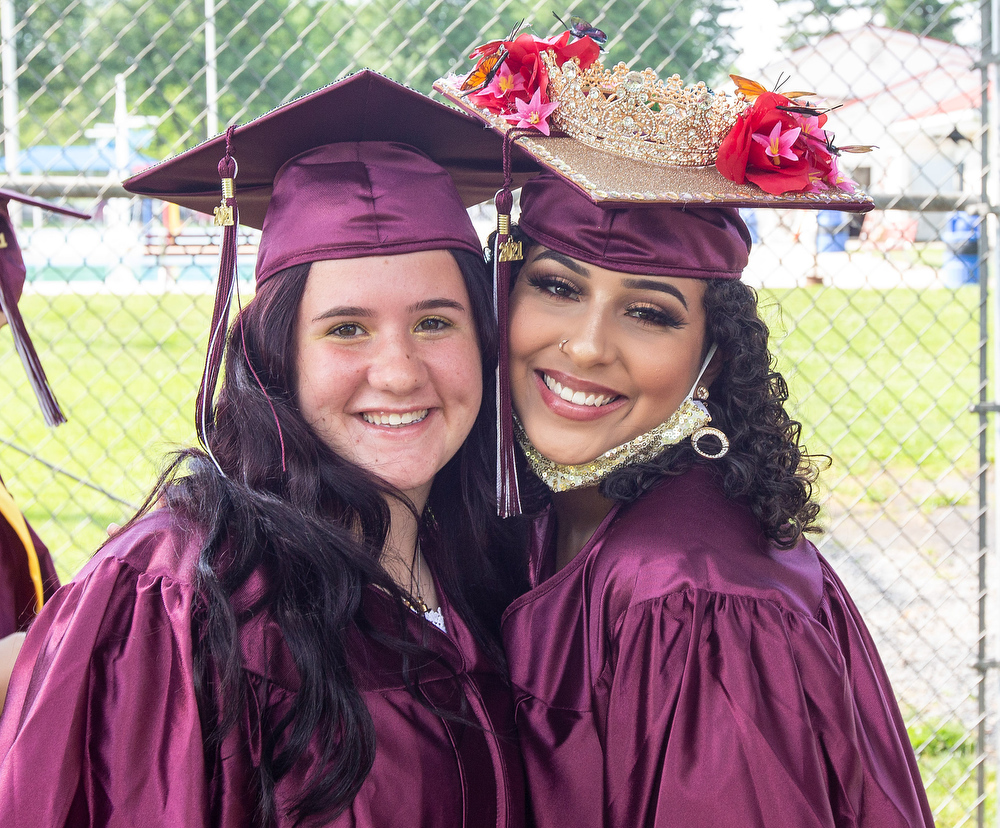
(930, 18)
(271, 51)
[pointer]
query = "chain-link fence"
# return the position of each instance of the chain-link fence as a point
(881, 325)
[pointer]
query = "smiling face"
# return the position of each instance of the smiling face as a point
(635, 347)
(388, 363)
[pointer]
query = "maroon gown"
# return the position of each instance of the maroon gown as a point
(17, 590)
(682, 672)
(101, 725)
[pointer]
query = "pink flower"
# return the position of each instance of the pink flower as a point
(505, 82)
(779, 143)
(534, 113)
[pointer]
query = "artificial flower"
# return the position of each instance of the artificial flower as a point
(533, 114)
(505, 82)
(779, 143)
(527, 71)
(781, 148)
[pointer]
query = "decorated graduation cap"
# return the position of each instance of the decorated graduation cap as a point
(362, 167)
(12, 276)
(639, 174)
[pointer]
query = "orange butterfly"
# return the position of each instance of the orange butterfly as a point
(484, 71)
(751, 89)
(491, 57)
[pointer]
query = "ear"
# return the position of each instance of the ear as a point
(713, 369)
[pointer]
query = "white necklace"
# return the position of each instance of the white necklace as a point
(418, 604)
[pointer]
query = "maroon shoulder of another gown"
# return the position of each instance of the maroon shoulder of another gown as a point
(17, 590)
(682, 672)
(101, 725)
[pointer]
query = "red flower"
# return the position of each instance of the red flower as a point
(808, 163)
(524, 60)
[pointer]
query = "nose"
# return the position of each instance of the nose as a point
(590, 341)
(397, 366)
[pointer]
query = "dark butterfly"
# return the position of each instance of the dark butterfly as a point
(580, 28)
(853, 148)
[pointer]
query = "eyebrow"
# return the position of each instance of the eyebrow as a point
(358, 312)
(654, 284)
(565, 261)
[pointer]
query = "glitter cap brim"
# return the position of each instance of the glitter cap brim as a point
(613, 180)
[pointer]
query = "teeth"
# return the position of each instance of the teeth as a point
(394, 419)
(576, 397)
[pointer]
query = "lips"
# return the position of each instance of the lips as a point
(394, 419)
(577, 397)
(596, 401)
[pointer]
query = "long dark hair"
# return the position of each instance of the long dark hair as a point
(766, 466)
(298, 549)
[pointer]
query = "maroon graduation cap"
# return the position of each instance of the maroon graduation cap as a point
(362, 167)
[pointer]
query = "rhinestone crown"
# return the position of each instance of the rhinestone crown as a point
(638, 115)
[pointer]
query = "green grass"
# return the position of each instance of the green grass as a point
(878, 378)
(882, 378)
(947, 759)
(125, 370)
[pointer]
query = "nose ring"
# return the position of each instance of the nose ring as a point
(562, 345)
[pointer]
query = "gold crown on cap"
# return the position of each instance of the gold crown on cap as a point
(638, 115)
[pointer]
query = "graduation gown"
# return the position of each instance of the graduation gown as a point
(18, 589)
(682, 672)
(101, 725)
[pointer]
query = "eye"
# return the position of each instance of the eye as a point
(554, 286)
(653, 315)
(347, 330)
(432, 323)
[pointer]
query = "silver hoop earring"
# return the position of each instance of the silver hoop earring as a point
(562, 345)
(710, 432)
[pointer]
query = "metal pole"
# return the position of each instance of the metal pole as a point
(8, 66)
(986, 228)
(211, 72)
(123, 151)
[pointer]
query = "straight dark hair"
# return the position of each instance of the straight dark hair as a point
(311, 538)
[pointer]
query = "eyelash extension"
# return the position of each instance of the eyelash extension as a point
(661, 317)
(544, 282)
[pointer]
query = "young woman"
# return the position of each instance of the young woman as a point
(685, 657)
(305, 630)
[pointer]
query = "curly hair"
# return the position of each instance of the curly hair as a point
(766, 467)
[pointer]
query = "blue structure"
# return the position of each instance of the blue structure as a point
(834, 228)
(961, 253)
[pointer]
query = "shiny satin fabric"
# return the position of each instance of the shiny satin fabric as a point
(17, 590)
(695, 242)
(101, 725)
(680, 672)
(357, 199)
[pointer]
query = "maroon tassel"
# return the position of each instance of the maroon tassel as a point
(227, 217)
(505, 251)
(29, 358)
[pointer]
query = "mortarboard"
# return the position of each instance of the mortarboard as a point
(362, 167)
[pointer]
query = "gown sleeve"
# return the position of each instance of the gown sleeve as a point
(101, 724)
(728, 710)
